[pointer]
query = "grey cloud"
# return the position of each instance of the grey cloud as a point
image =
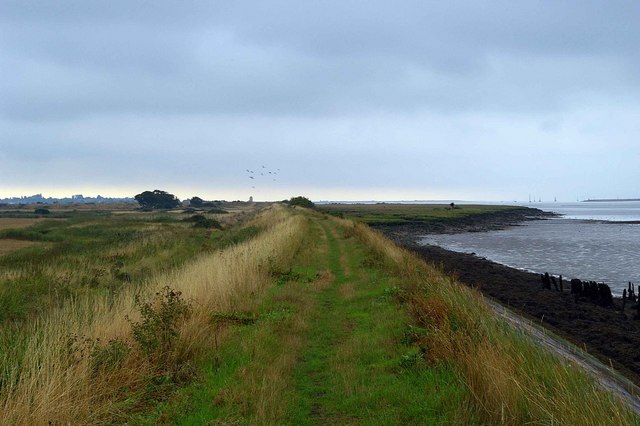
(423, 95)
(77, 59)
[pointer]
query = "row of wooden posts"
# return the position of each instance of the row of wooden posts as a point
(630, 294)
(596, 292)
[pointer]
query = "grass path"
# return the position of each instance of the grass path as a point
(328, 347)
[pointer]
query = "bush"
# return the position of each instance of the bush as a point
(200, 221)
(217, 211)
(195, 218)
(41, 210)
(157, 330)
(207, 223)
(196, 201)
(199, 202)
(302, 202)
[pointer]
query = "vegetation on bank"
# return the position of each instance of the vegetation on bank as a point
(403, 213)
(100, 356)
(90, 253)
(295, 317)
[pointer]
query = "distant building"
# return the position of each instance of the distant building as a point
(251, 199)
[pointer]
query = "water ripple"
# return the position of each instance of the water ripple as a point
(599, 251)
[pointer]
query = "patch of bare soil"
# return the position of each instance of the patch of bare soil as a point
(9, 245)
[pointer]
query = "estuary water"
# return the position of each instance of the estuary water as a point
(591, 241)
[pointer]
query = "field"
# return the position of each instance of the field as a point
(402, 213)
(285, 316)
(17, 223)
(9, 245)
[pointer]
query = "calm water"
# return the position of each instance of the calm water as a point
(586, 243)
(609, 211)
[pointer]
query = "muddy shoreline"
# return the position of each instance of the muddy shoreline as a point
(608, 333)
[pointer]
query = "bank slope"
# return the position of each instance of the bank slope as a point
(356, 330)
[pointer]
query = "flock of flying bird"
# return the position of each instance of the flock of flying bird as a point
(263, 173)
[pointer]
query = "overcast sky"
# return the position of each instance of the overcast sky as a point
(475, 100)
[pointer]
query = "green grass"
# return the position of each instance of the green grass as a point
(328, 347)
(235, 236)
(87, 252)
(93, 254)
(353, 331)
(401, 213)
(98, 252)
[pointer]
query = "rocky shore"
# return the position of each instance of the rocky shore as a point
(607, 332)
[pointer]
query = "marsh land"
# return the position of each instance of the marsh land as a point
(267, 315)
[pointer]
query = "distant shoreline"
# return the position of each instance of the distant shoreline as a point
(608, 200)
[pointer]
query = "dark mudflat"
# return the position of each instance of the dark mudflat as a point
(606, 332)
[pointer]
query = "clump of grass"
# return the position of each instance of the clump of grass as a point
(105, 358)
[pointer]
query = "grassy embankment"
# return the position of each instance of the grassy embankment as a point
(315, 320)
(361, 331)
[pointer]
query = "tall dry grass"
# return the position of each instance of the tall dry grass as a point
(511, 380)
(52, 383)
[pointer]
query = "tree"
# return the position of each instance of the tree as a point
(157, 199)
(197, 202)
(302, 202)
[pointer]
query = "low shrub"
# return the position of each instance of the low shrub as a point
(207, 223)
(217, 211)
(200, 221)
(157, 330)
